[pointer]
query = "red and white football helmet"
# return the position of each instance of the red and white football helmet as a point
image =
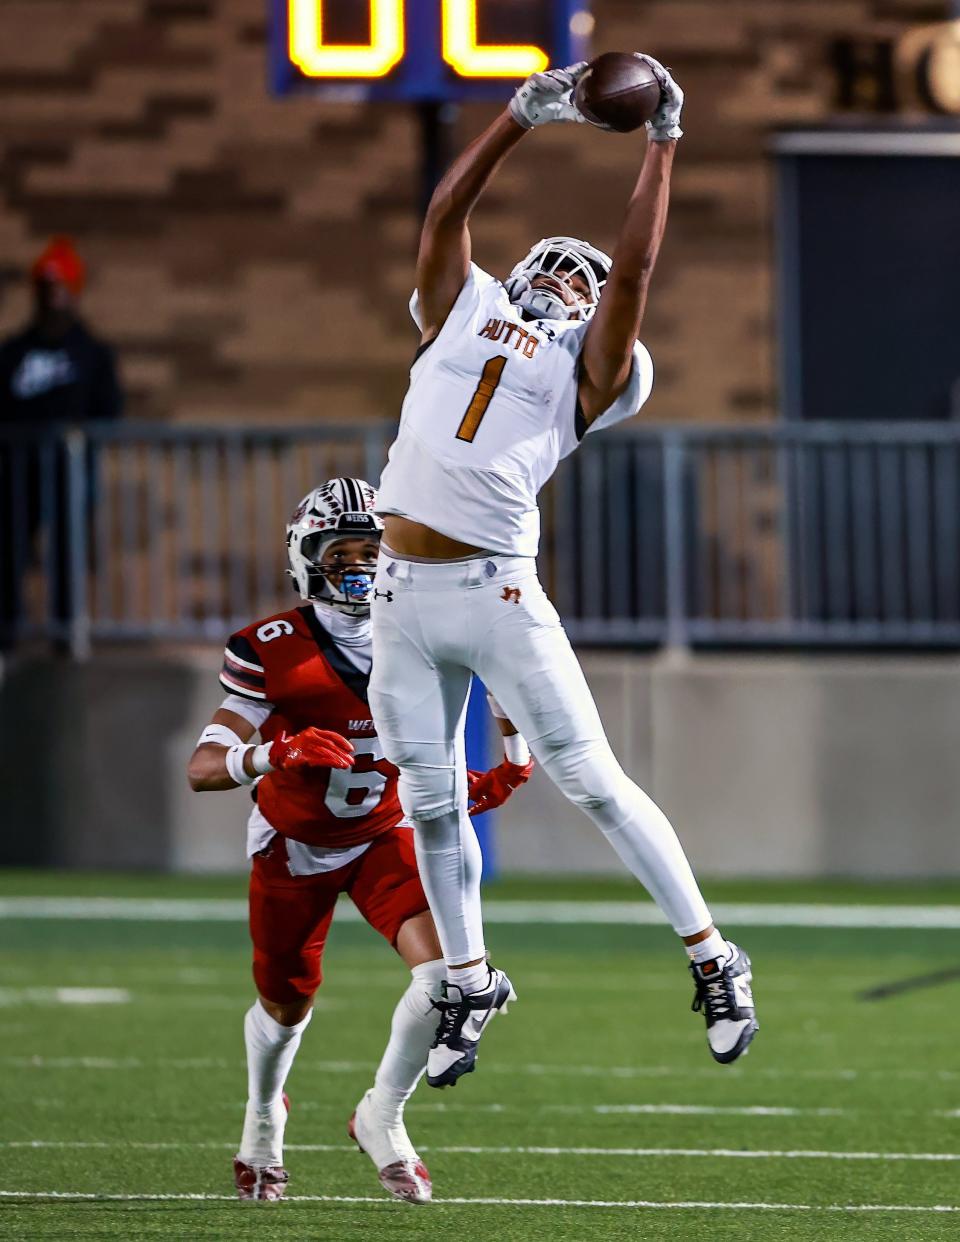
(337, 509)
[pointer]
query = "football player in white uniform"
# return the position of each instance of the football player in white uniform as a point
(508, 379)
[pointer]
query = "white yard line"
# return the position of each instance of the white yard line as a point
(116, 1063)
(131, 909)
(645, 1153)
(648, 1204)
(528, 1068)
(700, 1110)
(221, 1000)
(633, 913)
(63, 996)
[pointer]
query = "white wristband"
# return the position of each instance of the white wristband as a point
(260, 760)
(234, 761)
(495, 707)
(516, 750)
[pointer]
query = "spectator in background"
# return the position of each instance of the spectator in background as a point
(54, 371)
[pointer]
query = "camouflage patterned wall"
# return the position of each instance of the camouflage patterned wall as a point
(252, 258)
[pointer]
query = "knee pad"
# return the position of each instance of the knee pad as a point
(428, 784)
(427, 792)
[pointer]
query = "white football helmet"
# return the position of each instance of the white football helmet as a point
(337, 509)
(554, 254)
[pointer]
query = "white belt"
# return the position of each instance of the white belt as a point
(452, 575)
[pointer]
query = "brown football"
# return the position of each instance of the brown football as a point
(618, 92)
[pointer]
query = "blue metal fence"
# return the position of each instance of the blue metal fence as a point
(788, 535)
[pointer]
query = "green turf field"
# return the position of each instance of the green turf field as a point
(595, 1091)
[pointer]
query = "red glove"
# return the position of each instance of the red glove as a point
(488, 790)
(311, 748)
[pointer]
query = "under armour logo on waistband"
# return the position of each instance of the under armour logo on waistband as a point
(387, 595)
(511, 595)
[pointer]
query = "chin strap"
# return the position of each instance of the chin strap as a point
(540, 303)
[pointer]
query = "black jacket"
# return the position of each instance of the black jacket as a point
(70, 380)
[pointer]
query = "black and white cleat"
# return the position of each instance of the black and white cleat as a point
(724, 994)
(463, 1019)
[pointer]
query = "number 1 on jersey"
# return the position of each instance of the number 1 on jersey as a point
(489, 380)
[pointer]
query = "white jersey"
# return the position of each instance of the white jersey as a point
(491, 409)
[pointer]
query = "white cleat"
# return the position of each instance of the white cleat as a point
(400, 1169)
(724, 994)
(259, 1172)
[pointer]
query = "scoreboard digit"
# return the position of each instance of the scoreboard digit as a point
(315, 57)
(471, 59)
(420, 49)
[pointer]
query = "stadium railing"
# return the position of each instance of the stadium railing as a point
(787, 535)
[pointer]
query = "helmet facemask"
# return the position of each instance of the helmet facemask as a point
(547, 258)
(340, 509)
(344, 585)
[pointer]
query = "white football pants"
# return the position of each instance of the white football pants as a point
(433, 626)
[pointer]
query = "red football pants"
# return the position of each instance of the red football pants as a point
(290, 915)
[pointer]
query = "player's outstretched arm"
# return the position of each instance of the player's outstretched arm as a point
(225, 758)
(207, 769)
(445, 249)
(608, 348)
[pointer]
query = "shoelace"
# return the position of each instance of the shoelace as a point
(448, 1020)
(717, 994)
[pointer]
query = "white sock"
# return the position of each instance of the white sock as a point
(411, 1034)
(710, 949)
(270, 1052)
(450, 864)
(470, 978)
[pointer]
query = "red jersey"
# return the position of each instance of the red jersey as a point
(290, 661)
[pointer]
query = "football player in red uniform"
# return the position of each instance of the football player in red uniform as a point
(326, 820)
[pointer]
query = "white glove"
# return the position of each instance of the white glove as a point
(548, 97)
(665, 122)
